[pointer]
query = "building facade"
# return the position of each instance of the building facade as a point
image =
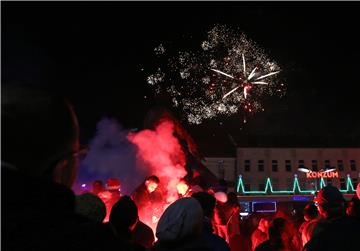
(258, 167)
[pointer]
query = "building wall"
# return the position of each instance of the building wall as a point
(281, 164)
(223, 168)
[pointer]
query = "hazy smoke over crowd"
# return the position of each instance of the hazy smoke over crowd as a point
(131, 156)
(111, 155)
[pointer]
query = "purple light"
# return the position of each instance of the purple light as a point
(265, 210)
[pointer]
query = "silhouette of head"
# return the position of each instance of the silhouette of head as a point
(40, 134)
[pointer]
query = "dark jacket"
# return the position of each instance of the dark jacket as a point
(270, 246)
(215, 241)
(39, 215)
(188, 244)
(340, 234)
(144, 199)
(143, 235)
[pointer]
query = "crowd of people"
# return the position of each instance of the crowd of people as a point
(40, 211)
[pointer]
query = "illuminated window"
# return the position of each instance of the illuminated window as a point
(314, 165)
(261, 165)
(340, 165)
(288, 165)
(301, 164)
(247, 165)
(327, 163)
(274, 165)
(353, 165)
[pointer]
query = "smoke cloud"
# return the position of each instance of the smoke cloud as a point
(162, 154)
(132, 156)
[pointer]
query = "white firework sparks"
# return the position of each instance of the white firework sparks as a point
(227, 74)
(248, 79)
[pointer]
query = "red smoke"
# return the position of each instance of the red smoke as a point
(162, 154)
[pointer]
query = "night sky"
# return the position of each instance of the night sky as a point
(94, 53)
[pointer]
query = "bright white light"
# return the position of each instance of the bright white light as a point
(267, 75)
(223, 73)
(304, 170)
(245, 92)
(227, 94)
(260, 83)
(252, 73)
(329, 170)
(244, 64)
(83, 185)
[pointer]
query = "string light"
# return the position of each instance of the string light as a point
(295, 187)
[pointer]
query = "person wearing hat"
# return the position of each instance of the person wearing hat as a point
(340, 231)
(180, 227)
(330, 202)
(111, 195)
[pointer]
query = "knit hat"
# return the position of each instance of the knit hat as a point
(124, 213)
(181, 219)
(113, 184)
(329, 195)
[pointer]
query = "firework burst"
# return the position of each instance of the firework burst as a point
(225, 75)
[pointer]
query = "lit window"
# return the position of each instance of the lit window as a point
(314, 165)
(353, 165)
(301, 164)
(247, 165)
(274, 165)
(261, 165)
(288, 165)
(327, 163)
(340, 165)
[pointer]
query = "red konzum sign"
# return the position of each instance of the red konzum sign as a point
(314, 175)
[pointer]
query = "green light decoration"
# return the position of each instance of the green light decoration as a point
(296, 187)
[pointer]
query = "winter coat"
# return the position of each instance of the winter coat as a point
(187, 244)
(215, 241)
(339, 234)
(40, 215)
